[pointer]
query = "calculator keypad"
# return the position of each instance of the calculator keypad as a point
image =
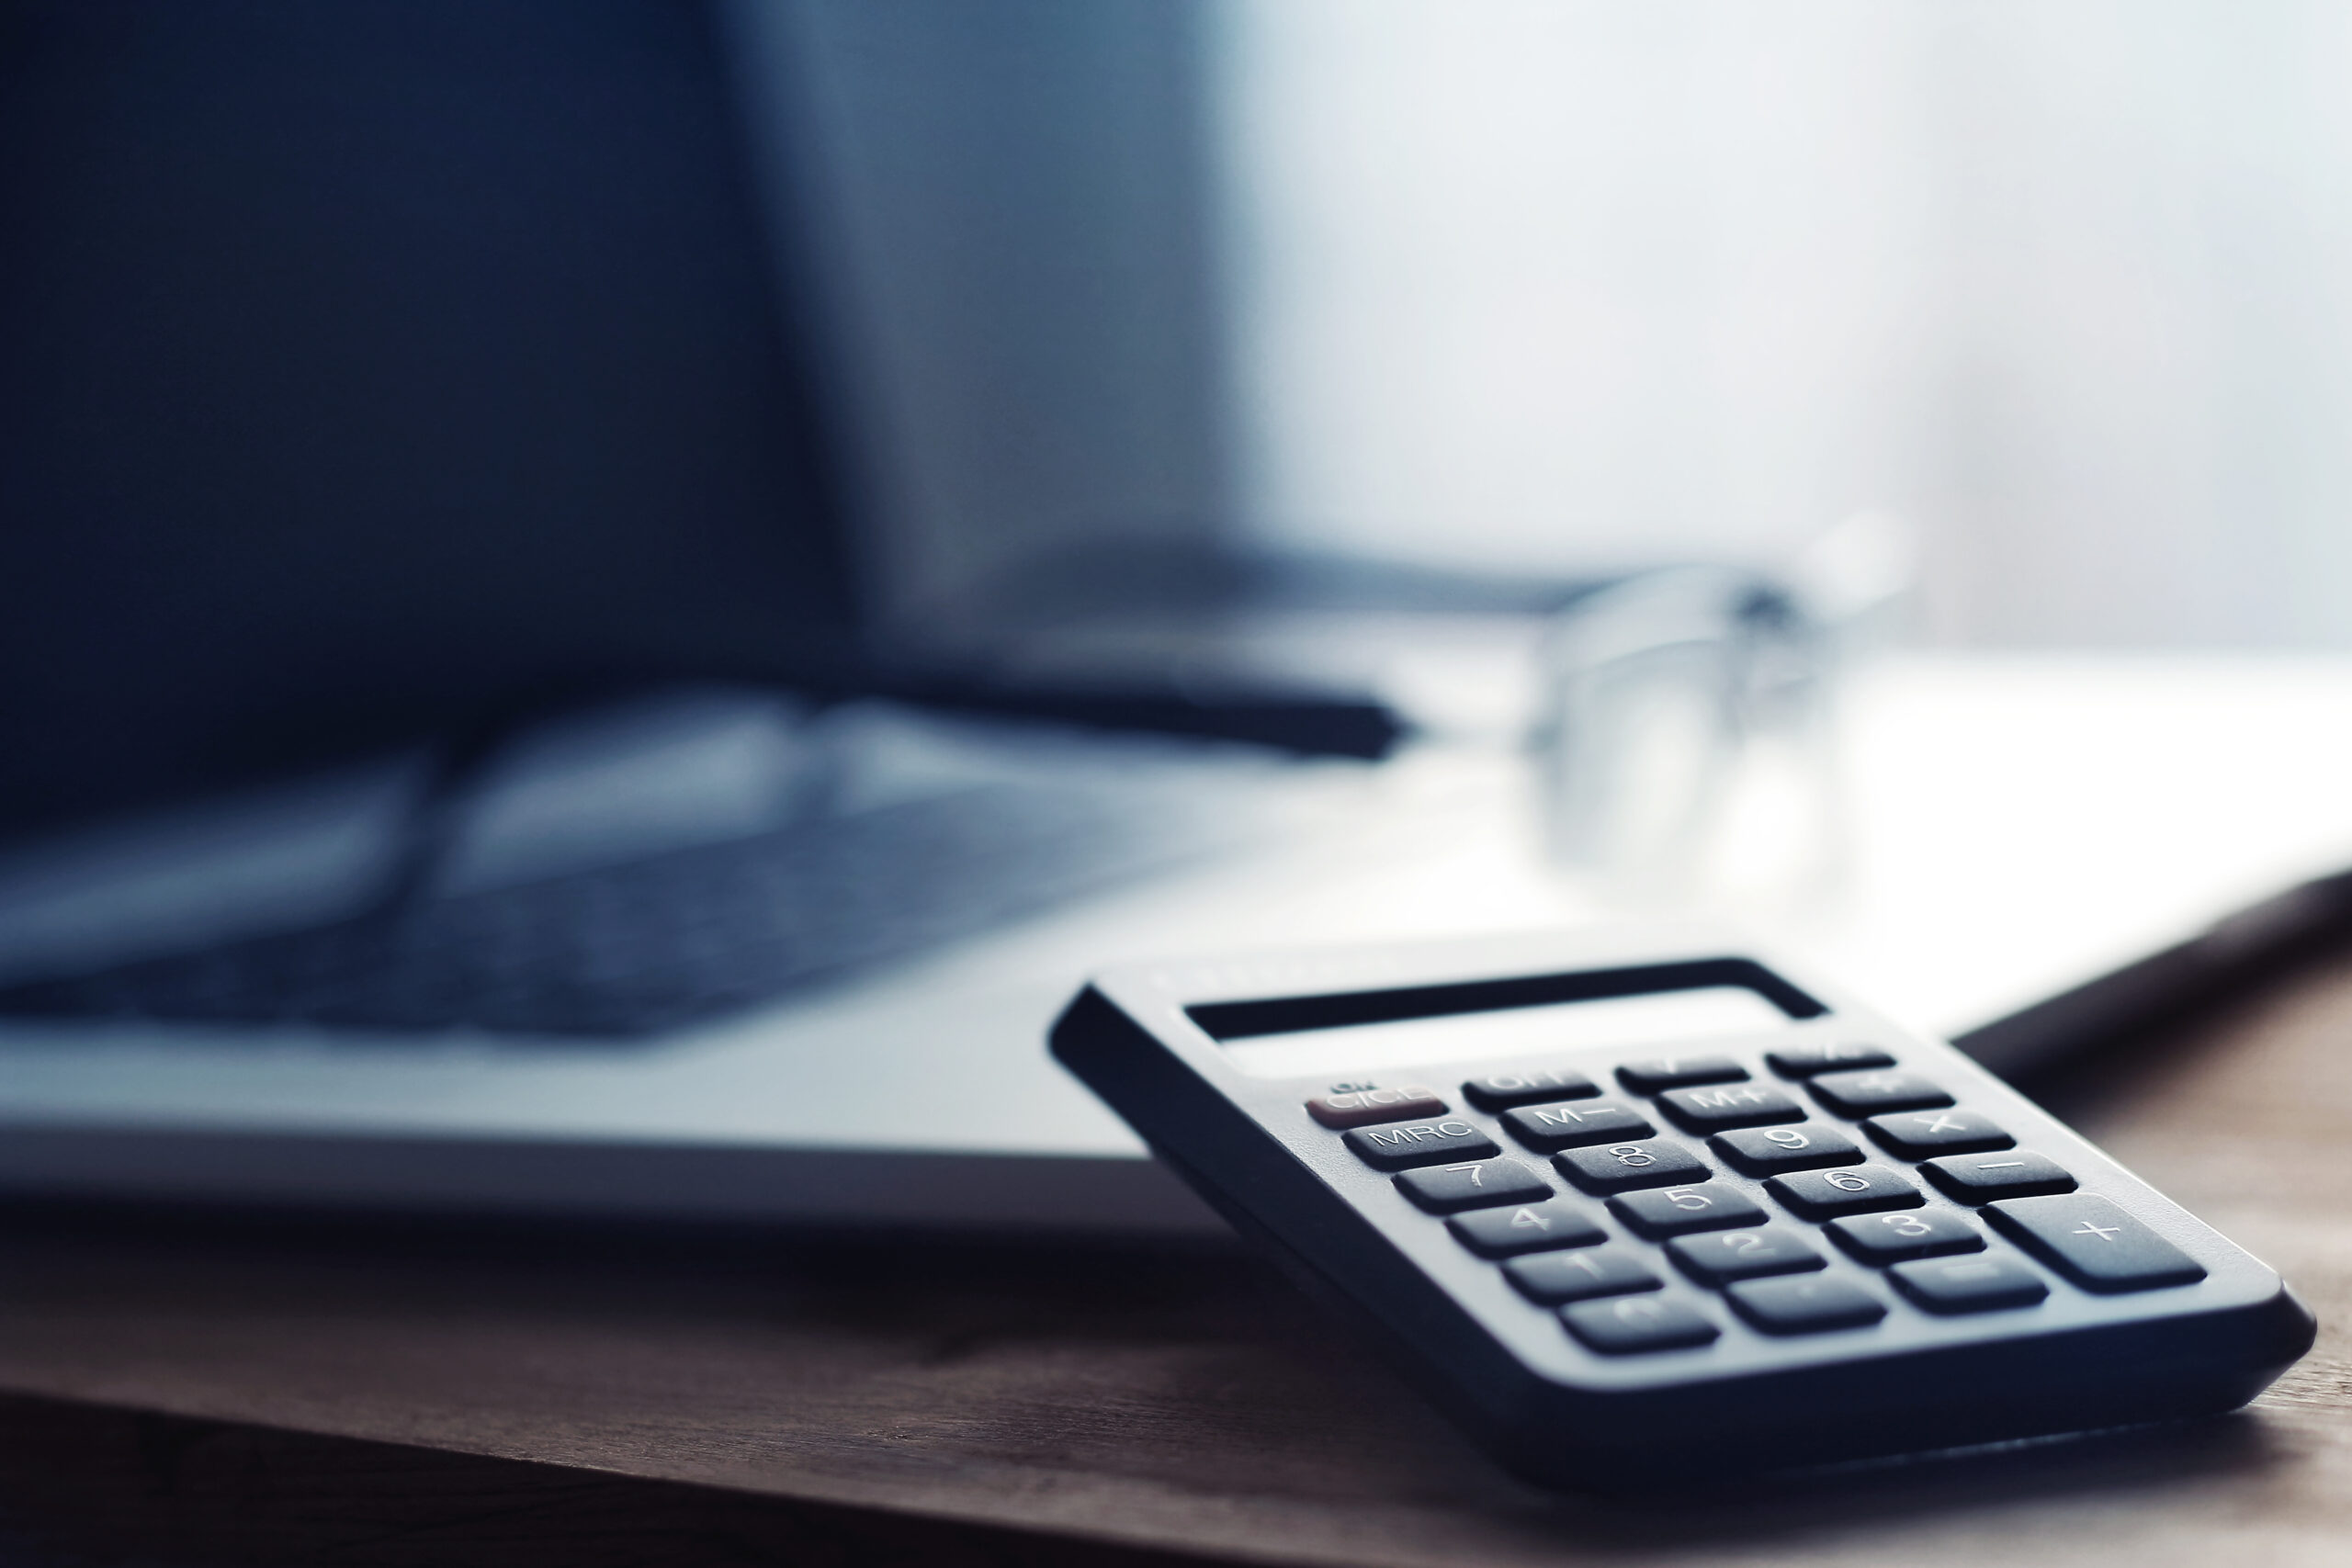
(1611, 1289)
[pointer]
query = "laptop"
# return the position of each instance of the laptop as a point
(502, 720)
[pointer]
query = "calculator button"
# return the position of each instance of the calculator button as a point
(1550, 1127)
(1621, 1167)
(1661, 1212)
(1411, 1144)
(1552, 1278)
(1905, 1234)
(1637, 1324)
(1767, 1151)
(1530, 1227)
(1501, 1091)
(1969, 1284)
(2013, 1173)
(1916, 1135)
(1675, 1072)
(2096, 1244)
(1446, 1188)
(1721, 1257)
(1865, 1094)
(1804, 1061)
(1805, 1306)
(1736, 1105)
(1855, 1189)
(1363, 1107)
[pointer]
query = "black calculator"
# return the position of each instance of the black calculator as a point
(1623, 1201)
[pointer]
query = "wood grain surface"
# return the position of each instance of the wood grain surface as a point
(273, 1391)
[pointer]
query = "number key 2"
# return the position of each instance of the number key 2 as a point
(1721, 1257)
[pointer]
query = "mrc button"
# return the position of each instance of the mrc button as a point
(1408, 1144)
(1363, 1107)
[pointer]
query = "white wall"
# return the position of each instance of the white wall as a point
(2069, 282)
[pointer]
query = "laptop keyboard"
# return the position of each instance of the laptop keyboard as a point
(673, 940)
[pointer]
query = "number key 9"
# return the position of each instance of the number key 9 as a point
(1767, 1151)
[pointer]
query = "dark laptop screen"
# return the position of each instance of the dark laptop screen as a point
(373, 365)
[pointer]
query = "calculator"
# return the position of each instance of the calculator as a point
(1625, 1202)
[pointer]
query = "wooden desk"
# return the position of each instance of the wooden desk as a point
(262, 1396)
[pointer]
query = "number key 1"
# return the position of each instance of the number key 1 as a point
(1767, 1151)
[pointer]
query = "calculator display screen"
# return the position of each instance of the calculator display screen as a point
(1351, 1049)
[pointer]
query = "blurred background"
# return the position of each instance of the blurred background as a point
(1545, 285)
(792, 531)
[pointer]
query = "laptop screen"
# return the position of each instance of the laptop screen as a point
(373, 367)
